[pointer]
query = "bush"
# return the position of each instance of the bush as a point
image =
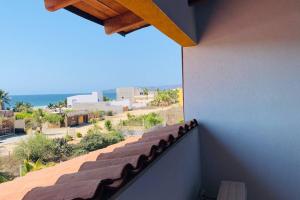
(68, 138)
(34, 148)
(165, 98)
(109, 113)
(96, 140)
(28, 166)
(93, 121)
(4, 177)
(61, 149)
(53, 118)
(23, 115)
(151, 120)
(108, 125)
(39, 147)
(148, 120)
(78, 135)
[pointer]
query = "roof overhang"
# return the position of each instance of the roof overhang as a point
(125, 16)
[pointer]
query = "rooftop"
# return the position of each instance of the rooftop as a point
(98, 174)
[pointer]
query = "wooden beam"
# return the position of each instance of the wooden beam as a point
(53, 5)
(152, 14)
(122, 22)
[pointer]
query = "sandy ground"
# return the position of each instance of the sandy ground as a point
(8, 143)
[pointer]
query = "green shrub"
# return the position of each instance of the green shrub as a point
(39, 147)
(165, 98)
(109, 113)
(148, 120)
(53, 118)
(108, 125)
(5, 176)
(78, 135)
(23, 115)
(92, 141)
(68, 138)
(34, 148)
(61, 149)
(28, 166)
(114, 137)
(93, 121)
(96, 140)
(151, 120)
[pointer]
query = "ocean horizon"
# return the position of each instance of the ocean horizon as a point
(40, 100)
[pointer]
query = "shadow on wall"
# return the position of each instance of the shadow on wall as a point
(205, 10)
(214, 153)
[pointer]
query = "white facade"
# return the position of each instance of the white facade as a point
(94, 97)
(127, 93)
(123, 103)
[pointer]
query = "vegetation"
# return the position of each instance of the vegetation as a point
(53, 118)
(5, 176)
(109, 113)
(146, 91)
(68, 138)
(78, 135)
(39, 151)
(4, 99)
(37, 147)
(147, 121)
(108, 125)
(23, 115)
(96, 140)
(165, 98)
(23, 107)
(59, 105)
(106, 98)
(28, 166)
(38, 119)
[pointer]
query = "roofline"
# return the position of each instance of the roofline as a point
(153, 15)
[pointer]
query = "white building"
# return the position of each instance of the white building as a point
(128, 93)
(94, 97)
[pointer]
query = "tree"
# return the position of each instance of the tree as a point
(51, 106)
(146, 92)
(106, 98)
(38, 118)
(21, 106)
(165, 98)
(4, 99)
(108, 125)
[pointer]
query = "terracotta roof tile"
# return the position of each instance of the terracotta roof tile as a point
(98, 174)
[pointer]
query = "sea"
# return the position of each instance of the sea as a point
(42, 100)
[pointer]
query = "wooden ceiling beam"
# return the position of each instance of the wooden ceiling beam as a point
(122, 22)
(53, 5)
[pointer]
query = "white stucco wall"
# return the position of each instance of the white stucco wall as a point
(94, 97)
(242, 83)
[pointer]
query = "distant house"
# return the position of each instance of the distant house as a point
(6, 122)
(128, 93)
(76, 118)
(135, 95)
(94, 97)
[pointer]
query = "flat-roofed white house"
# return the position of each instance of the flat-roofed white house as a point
(94, 97)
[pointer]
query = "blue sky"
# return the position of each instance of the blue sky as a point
(48, 53)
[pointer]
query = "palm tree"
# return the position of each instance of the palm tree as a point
(38, 118)
(4, 99)
(146, 92)
(51, 106)
(21, 106)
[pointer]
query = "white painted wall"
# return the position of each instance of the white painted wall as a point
(94, 97)
(242, 83)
